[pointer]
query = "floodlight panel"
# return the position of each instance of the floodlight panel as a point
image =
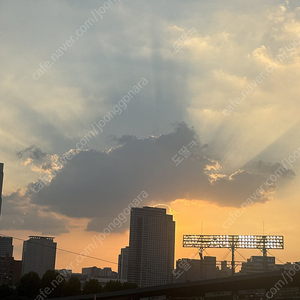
(238, 241)
(206, 241)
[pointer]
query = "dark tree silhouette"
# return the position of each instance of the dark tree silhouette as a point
(112, 286)
(72, 287)
(6, 291)
(53, 282)
(29, 285)
(92, 287)
(129, 286)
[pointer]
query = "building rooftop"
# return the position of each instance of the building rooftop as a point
(41, 237)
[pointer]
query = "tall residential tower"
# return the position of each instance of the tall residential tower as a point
(39, 255)
(151, 247)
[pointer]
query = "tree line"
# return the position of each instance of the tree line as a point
(53, 285)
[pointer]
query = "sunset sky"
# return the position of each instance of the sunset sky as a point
(101, 98)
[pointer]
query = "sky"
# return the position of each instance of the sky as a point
(186, 105)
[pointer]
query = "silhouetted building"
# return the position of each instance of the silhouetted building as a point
(151, 247)
(187, 270)
(287, 266)
(67, 273)
(91, 272)
(6, 246)
(209, 269)
(225, 271)
(94, 272)
(195, 269)
(10, 270)
(123, 264)
(1, 184)
(108, 273)
(39, 255)
(254, 264)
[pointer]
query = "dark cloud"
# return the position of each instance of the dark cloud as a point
(34, 153)
(99, 185)
(267, 168)
(39, 160)
(20, 214)
(238, 187)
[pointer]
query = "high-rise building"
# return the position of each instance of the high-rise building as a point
(39, 255)
(1, 184)
(6, 246)
(123, 264)
(151, 247)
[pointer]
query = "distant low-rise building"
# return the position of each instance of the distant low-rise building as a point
(255, 264)
(103, 280)
(65, 272)
(209, 268)
(224, 271)
(94, 272)
(91, 272)
(195, 269)
(287, 266)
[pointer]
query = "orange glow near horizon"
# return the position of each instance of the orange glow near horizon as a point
(189, 216)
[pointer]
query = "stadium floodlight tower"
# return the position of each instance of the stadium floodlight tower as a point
(234, 242)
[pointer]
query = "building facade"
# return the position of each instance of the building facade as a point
(225, 271)
(123, 264)
(255, 265)
(1, 184)
(195, 269)
(6, 246)
(39, 254)
(10, 270)
(151, 247)
(94, 272)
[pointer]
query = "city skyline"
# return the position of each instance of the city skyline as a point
(189, 106)
(152, 244)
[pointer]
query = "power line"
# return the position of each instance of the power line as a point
(276, 257)
(225, 256)
(60, 249)
(241, 255)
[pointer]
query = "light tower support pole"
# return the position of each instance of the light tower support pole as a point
(265, 255)
(232, 257)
